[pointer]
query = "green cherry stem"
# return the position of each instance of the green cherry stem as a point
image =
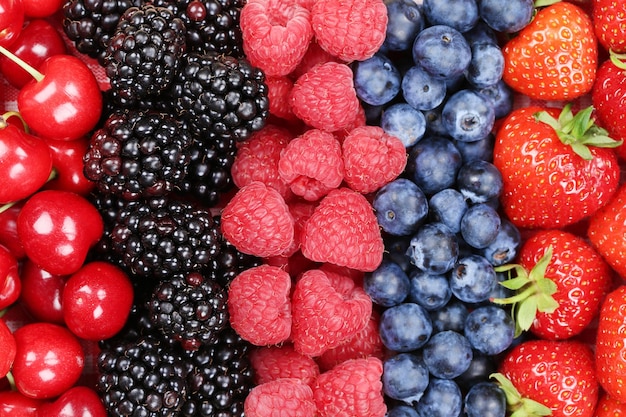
(4, 120)
(22, 64)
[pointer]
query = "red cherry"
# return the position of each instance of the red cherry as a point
(97, 301)
(38, 41)
(49, 360)
(10, 283)
(57, 229)
(78, 401)
(15, 404)
(8, 230)
(42, 293)
(41, 8)
(7, 353)
(11, 21)
(67, 160)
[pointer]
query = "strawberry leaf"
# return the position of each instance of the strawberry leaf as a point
(517, 405)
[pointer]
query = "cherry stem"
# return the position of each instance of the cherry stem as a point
(11, 379)
(22, 64)
(6, 116)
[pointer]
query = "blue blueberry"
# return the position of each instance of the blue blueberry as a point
(480, 369)
(472, 279)
(468, 115)
(450, 317)
(448, 207)
(400, 207)
(433, 164)
(405, 327)
(434, 248)
(442, 51)
(489, 329)
(376, 80)
(434, 121)
(422, 90)
(506, 16)
(486, 66)
(402, 411)
(447, 354)
(388, 285)
(480, 225)
(485, 399)
(431, 291)
(501, 97)
(405, 377)
(481, 33)
(462, 15)
(442, 398)
(504, 248)
(404, 22)
(395, 251)
(404, 122)
(481, 149)
(479, 181)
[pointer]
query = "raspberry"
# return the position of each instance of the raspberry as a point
(351, 389)
(256, 221)
(257, 159)
(372, 158)
(326, 311)
(274, 362)
(324, 97)
(343, 230)
(285, 397)
(259, 305)
(312, 164)
(359, 120)
(314, 55)
(300, 211)
(276, 34)
(352, 30)
(278, 91)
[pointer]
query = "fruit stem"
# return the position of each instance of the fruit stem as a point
(619, 60)
(545, 3)
(22, 64)
(6, 116)
(11, 380)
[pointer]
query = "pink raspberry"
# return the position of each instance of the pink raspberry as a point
(343, 230)
(325, 312)
(372, 158)
(275, 34)
(324, 97)
(284, 397)
(257, 159)
(259, 305)
(256, 220)
(278, 92)
(312, 164)
(274, 362)
(300, 211)
(314, 55)
(359, 120)
(352, 30)
(351, 389)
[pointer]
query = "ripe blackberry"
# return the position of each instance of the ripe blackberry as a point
(189, 308)
(138, 154)
(221, 97)
(158, 237)
(143, 55)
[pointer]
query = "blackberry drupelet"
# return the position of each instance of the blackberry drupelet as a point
(143, 55)
(158, 237)
(138, 154)
(189, 308)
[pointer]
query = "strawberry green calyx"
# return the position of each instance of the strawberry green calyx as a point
(533, 292)
(545, 3)
(619, 60)
(578, 131)
(517, 405)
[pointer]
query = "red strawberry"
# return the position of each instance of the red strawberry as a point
(555, 56)
(609, 22)
(609, 407)
(549, 377)
(554, 171)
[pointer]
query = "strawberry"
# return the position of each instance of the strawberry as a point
(563, 291)
(554, 171)
(548, 377)
(555, 56)
(609, 23)
(609, 407)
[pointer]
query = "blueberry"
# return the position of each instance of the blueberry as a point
(480, 369)
(486, 66)
(422, 90)
(472, 279)
(501, 97)
(448, 207)
(402, 411)
(434, 248)
(481, 33)
(405, 327)
(431, 291)
(376, 80)
(404, 122)
(404, 22)
(442, 51)
(434, 121)
(504, 248)
(506, 16)
(480, 225)
(447, 354)
(485, 399)
(462, 15)
(405, 377)
(400, 207)
(489, 329)
(479, 181)
(433, 164)
(481, 149)
(395, 251)
(468, 115)
(388, 285)
(450, 317)
(500, 291)
(442, 398)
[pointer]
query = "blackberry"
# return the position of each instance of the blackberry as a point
(138, 154)
(158, 237)
(189, 308)
(143, 55)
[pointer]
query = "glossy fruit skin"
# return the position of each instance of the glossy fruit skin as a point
(607, 232)
(10, 283)
(555, 56)
(7, 353)
(15, 404)
(11, 21)
(78, 401)
(67, 160)
(97, 300)
(37, 41)
(41, 8)
(66, 104)
(547, 185)
(25, 164)
(8, 230)
(609, 99)
(48, 362)
(42, 293)
(57, 229)
(609, 407)
(609, 22)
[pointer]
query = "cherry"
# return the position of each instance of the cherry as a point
(15, 404)
(38, 41)
(11, 20)
(78, 401)
(42, 293)
(49, 360)
(97, 301)
(41, 8)
(8, 230)
(57, 229)
(10, 283)
(67, 160)
(7, 353)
